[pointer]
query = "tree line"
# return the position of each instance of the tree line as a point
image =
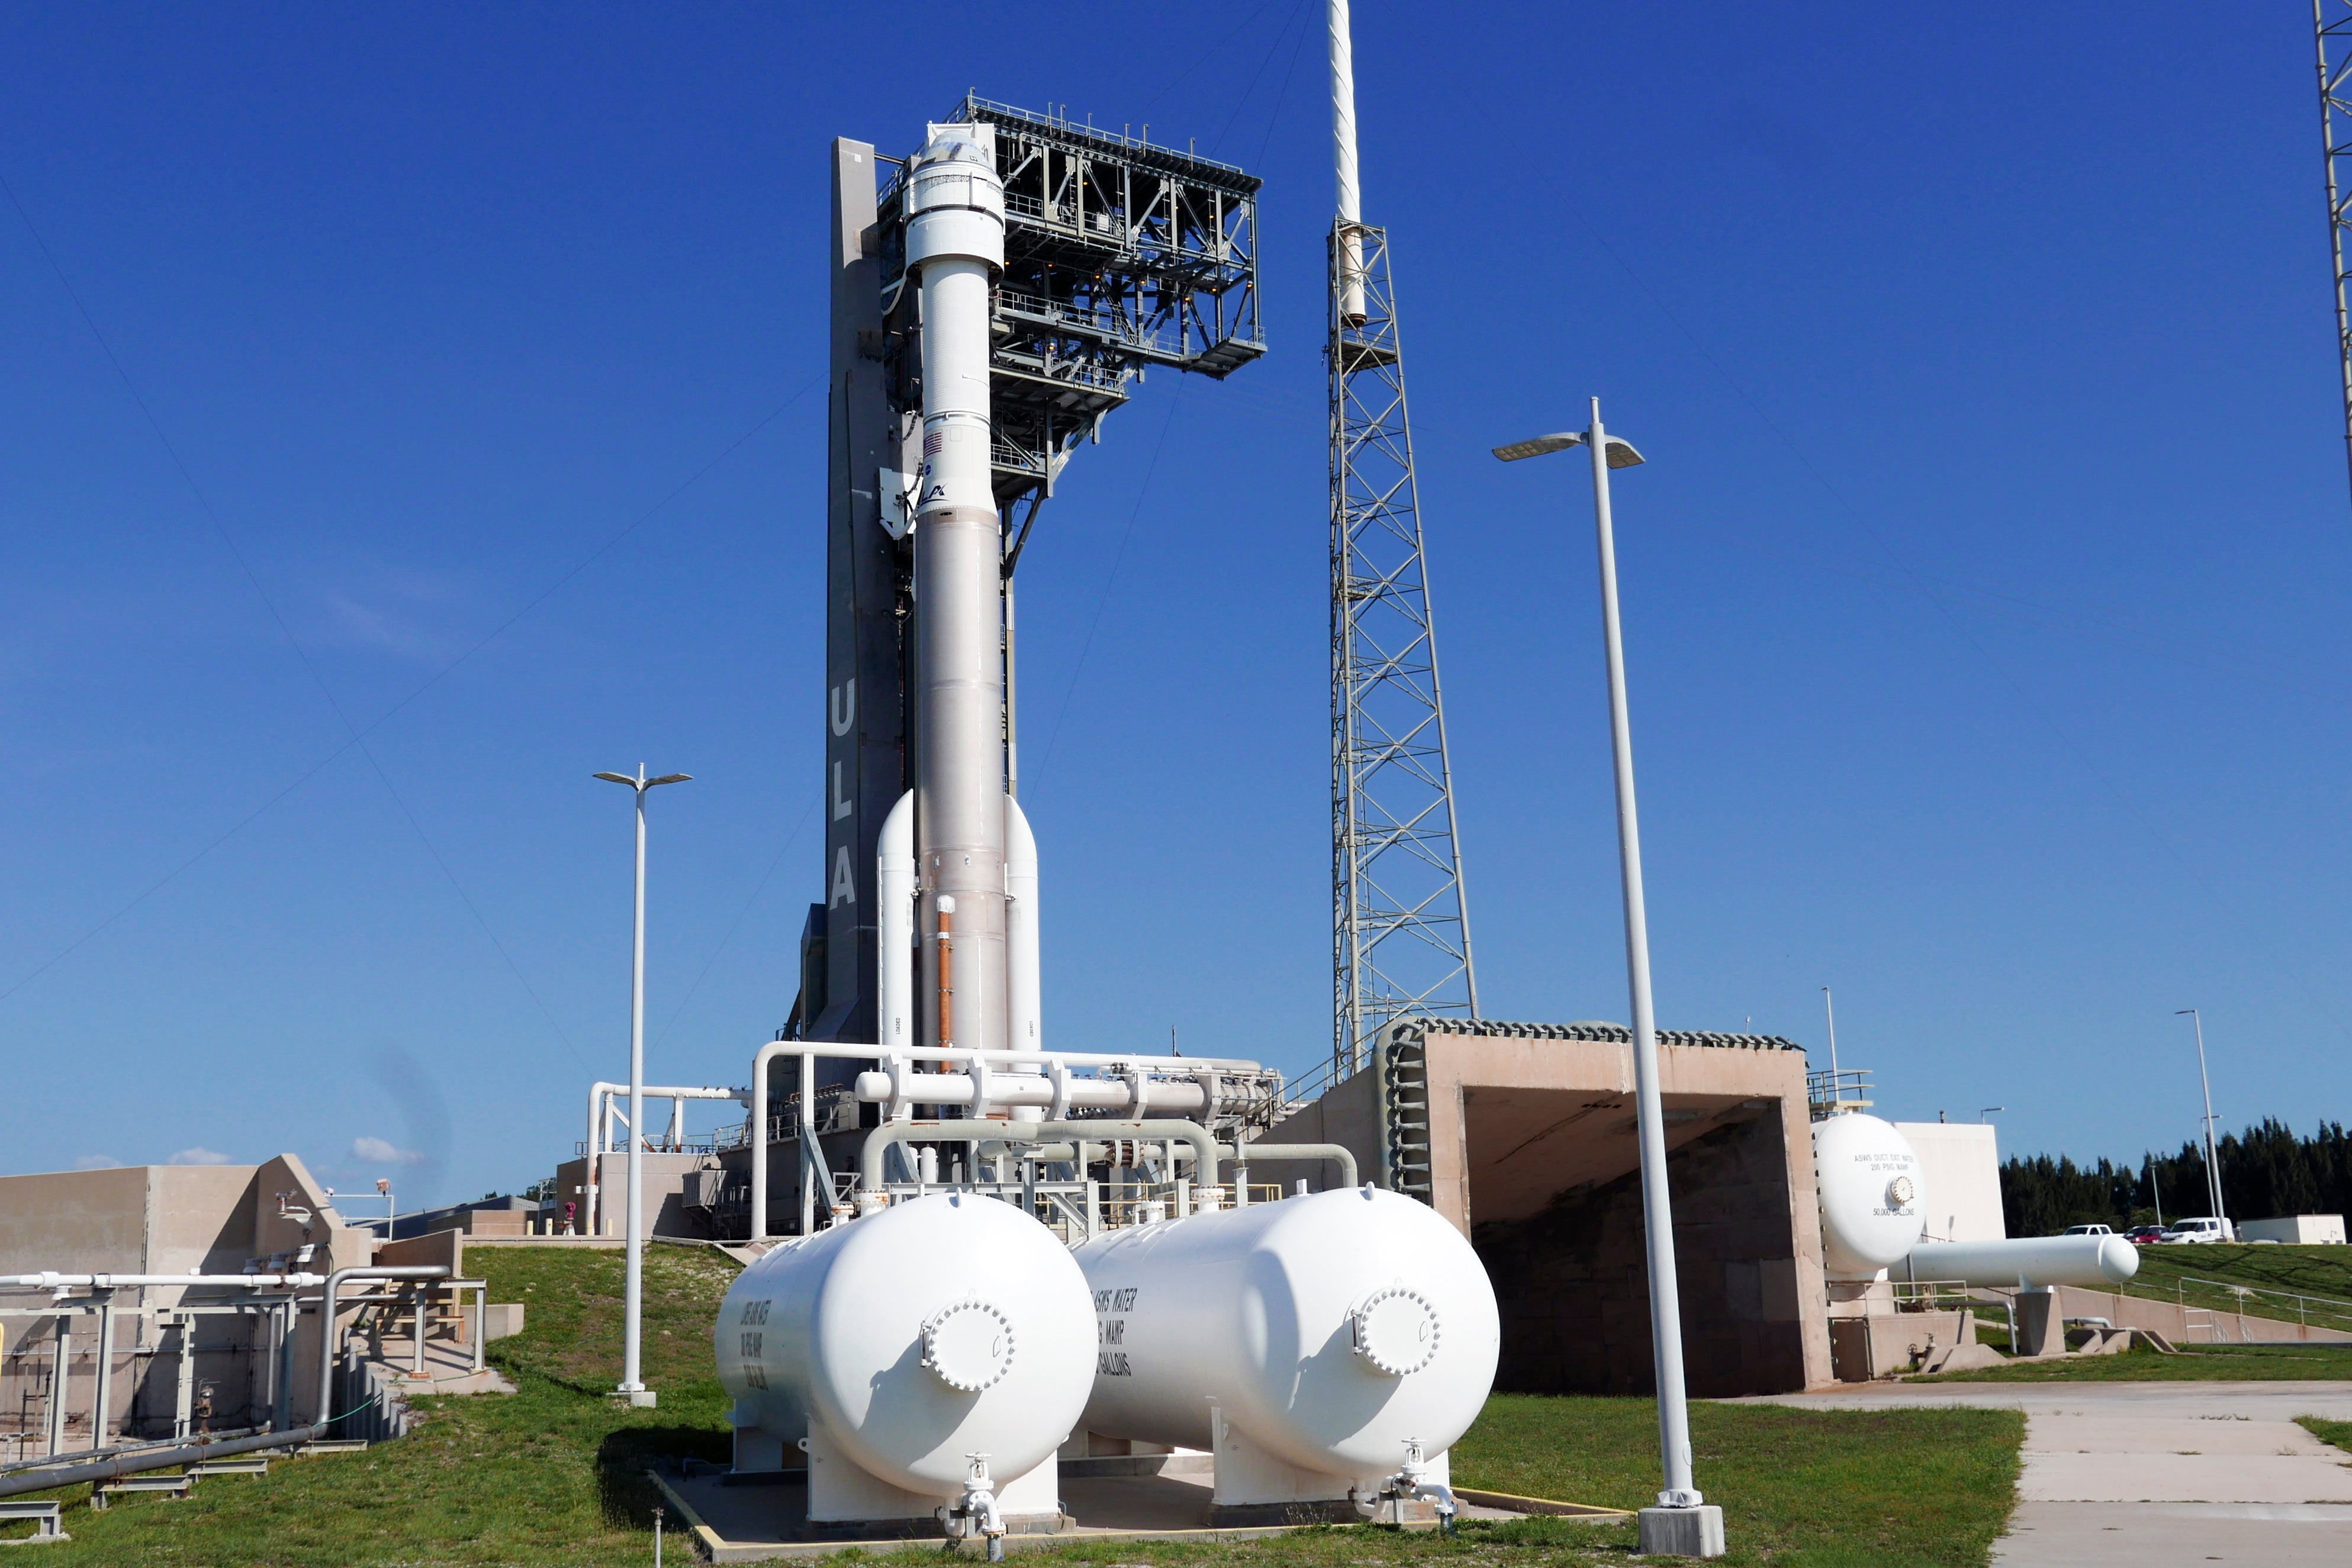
(2267, 1171)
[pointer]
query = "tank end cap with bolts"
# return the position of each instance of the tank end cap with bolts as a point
(1687, 1530)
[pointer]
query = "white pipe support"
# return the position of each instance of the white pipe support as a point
(900, 1061)
(879, 1140)
(1338, 1153)
(985, 1089)
(596, 1140)
(51, 1280)
(327, 1320)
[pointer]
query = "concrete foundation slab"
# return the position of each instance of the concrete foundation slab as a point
(753, 1523)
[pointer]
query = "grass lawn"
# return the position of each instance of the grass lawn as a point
(2337, 1432)
(2196, 1363)
(551, 1475)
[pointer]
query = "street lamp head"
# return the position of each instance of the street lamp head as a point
(1621, 452)
(1539, 446)
(645, 783)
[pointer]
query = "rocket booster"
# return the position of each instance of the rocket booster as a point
(955, 242)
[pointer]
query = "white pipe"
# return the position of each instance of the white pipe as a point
(1023, 988)
(327, 1309)
(54, 1282)
(837, 1050)
(600, 1133)
(1160, 1096)
(895, 925)
(1343, 162)
(2025, 1262)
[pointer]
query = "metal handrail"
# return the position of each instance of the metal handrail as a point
(2334, 1315)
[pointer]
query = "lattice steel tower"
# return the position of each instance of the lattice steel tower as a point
(1400, 925)
(2332, 21)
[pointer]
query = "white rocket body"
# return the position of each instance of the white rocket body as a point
(955, 242)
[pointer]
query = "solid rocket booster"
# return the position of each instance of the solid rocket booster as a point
(955, 242)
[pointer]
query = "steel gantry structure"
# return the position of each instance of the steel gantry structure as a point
(2331, 21)
(1119, 256)
(1400, 923)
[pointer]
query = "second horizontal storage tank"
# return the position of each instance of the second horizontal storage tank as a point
(1329, 1331)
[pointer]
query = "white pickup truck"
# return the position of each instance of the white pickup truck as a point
(2204, 1229)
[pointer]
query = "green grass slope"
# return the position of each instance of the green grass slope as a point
(548, 1475)
(2324, 1271)
(553, 1475)
(2192, 1364)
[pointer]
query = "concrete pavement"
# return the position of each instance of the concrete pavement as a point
(2145, 1474)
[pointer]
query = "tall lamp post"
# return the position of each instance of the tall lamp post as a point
(1683, 1524)
(2212, 1157)
(632, 1388)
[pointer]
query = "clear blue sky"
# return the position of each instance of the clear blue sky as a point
(1985, 591)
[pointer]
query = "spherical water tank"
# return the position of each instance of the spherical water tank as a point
(951, 1324)
(1329, 1330)
(1873, 1197)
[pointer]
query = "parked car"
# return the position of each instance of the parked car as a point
(2205, 1227)
(2086, 1231)
(2145, 1235)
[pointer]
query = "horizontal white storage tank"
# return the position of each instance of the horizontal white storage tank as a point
(2096, 1261)
(947, 1325)
(1329, 1330)
(1873, 1198)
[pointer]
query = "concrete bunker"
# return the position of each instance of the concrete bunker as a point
(1522, 1136)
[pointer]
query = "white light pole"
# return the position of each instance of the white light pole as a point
(391, 1208)
(1683, 1524)
(2212, 1158)
(632, 1388)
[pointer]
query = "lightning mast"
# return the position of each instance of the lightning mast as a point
(1400, 926)
(2335, 142)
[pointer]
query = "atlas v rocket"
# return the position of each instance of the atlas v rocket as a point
(961, 383)
(962, 818)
